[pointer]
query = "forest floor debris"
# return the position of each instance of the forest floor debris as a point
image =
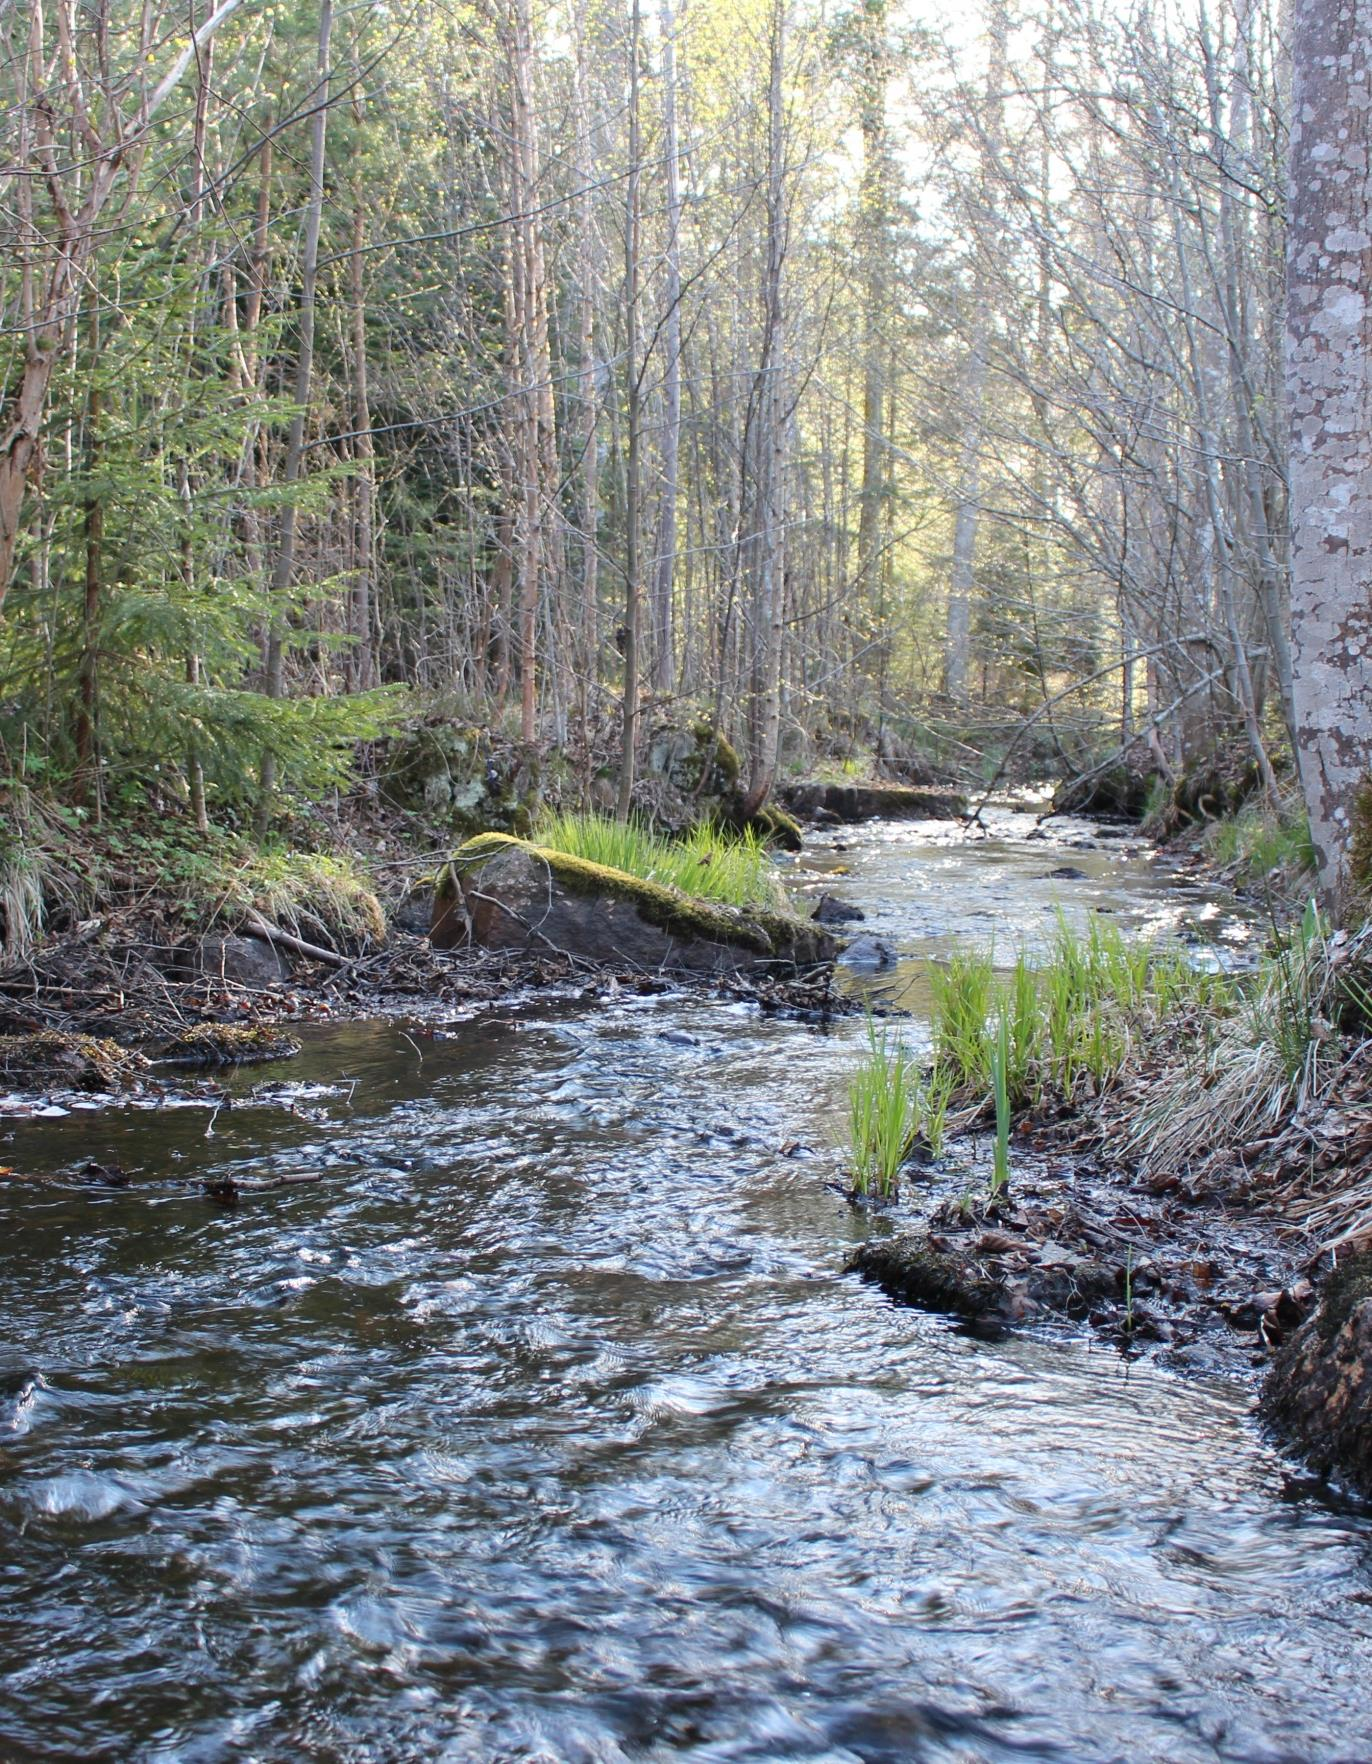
(119, 982)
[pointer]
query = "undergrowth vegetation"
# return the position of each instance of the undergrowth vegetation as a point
(58, 867)
(710, 863)
(1261, 845)
(1176, 1062)
(884, 1110)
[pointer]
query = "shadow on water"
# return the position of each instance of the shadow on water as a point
(540, 1426)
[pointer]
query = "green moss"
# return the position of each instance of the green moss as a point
(681, 915)
(778, 828)
(724, 761)
(320, 898)
(1360, 837)
(230, 1044)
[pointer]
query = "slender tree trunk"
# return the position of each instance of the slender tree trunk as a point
(274, 673)
(93, 539)
(664, 564)
(633, 589)
(363, 666)
(773, 419)
(589, 394)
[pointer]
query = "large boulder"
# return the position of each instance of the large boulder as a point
(243, 960)
(1319, 1390)
(870, 802)
(505, 893)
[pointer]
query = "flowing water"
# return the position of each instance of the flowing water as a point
(541, 1425)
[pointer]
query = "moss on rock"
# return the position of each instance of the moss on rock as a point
(1318, 1392)
(77, 1062)
(1346, 1288)
(230, 1044)
(778, 828)
(761, 931)
(1360, 838)
(912, 1270)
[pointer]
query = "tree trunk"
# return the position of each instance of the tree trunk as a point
(274, 673)
(363, 662)
(1329, 385)
(664, 564)
(633, 591)
(770, 600)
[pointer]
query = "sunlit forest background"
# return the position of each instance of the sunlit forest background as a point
(858, 377)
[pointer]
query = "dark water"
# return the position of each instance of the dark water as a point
(541, 1427)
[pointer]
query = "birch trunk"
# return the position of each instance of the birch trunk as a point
(1329, 386)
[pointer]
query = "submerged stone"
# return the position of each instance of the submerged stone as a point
(833, 911)
(868, 955)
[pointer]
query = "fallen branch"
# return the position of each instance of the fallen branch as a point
(314, 952)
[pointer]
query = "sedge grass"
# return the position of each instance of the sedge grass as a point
(883, 1114)
(710, 863)
(1000, 1073)
(1069, 1019)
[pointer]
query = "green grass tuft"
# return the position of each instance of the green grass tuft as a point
(884, 1115)
(710, 863)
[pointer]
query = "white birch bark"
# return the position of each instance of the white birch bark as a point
(1329, 386)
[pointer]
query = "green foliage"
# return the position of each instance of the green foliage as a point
(710, 863)
(1260, 842)
(1070, 1018)
(318, 897)
(963, 991)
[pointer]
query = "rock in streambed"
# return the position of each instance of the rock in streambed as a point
(816, 799)
(504, 893)
(1319, 1390)
(993, 1277)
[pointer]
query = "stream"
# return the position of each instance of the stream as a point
(543, 1425)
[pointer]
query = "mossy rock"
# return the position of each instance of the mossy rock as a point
(912, 1270)
(870, 802)
(697, 761)
(454, 773)
(53, 1058)
(1360, 838)
(503, 892)
(777, 828)
(1119, 793)
(230, 1044)
(1318, 1393)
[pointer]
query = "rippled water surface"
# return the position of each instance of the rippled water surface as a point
(541, 1425)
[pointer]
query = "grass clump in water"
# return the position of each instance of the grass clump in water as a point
(1000, 1071)
(710, 863)
(884, 1109)
(1060, 1023)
